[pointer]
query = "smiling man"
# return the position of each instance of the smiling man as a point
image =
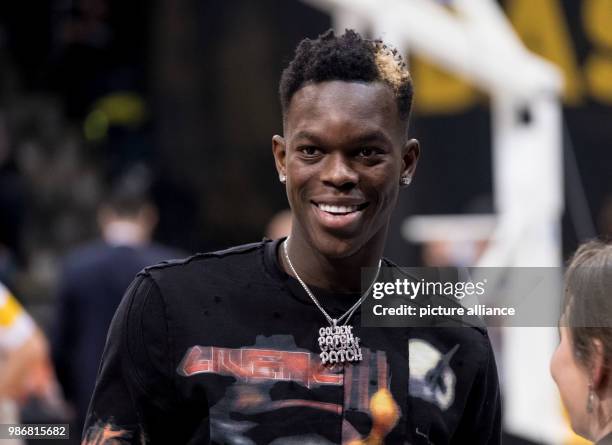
(343, 157)
(262, 343)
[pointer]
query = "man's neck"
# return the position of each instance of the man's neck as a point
(124, 232)
(335, 274)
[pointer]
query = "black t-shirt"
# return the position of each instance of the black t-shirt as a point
(222, 348)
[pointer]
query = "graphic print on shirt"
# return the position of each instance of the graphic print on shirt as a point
(102, 433)
(431, 377)
(274, 367)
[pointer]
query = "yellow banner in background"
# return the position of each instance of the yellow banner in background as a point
(543, 26)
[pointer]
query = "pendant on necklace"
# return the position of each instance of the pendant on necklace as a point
(339, 345)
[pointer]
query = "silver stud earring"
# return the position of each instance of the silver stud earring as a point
(406, 180)
(590, 399)
(282, 178)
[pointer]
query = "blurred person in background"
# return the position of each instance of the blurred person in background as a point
(582, 363)
(93, 280)
(280, 225)
(25, 367)
(226, 347)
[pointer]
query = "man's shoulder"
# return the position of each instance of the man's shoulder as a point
(228, 255)
(238, 264)
(86, 252)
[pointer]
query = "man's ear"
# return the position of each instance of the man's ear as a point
(279, 151)
(410, 157)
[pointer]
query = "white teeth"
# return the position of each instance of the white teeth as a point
(337, 209)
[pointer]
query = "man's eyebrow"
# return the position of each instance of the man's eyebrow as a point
(371, 136)
(303, 134)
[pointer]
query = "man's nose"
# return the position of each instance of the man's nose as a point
(338, 172)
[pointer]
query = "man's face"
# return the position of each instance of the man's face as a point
(343, 153)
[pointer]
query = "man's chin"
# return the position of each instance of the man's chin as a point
(335, 246)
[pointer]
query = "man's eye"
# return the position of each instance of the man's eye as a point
(367, 152)
(309, 151)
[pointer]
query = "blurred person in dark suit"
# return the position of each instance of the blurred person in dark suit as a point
(92, 282)
(582, 364)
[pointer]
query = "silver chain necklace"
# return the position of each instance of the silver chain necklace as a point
(338, 344)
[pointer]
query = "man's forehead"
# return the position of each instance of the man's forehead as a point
(342, 93)
(373, 101)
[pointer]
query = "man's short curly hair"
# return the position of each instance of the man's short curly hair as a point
(348, 57)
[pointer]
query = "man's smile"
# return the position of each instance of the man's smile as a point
(339, 208)
(336, 215)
